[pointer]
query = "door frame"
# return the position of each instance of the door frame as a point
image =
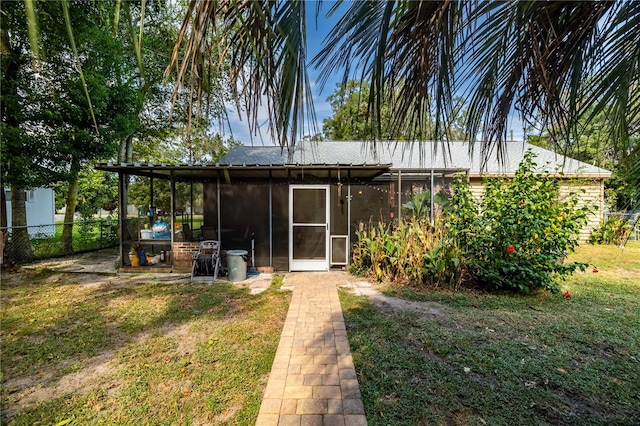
(310, 264)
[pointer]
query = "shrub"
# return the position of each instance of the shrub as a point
(416, 252)
(614, 230)
(517, 237)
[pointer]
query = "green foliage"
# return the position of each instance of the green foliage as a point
(95, 189)
(352, 120)
(519, 235)
(614, 230)
(420, 204)
(416, 251)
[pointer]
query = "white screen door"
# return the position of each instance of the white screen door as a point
(309, 227)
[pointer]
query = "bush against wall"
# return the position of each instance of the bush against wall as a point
(519, 234)
(614, 230)
(416, 252)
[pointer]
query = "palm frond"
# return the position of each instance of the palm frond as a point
(528, 57)
(615, 85)
(72, 42)
(261, 46)
(32, 27)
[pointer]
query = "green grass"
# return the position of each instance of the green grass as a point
(119, 350)
(506, 359)
(89, 235)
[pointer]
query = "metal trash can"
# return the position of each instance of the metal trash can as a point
(237, 264)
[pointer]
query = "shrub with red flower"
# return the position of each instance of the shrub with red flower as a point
(526, 211)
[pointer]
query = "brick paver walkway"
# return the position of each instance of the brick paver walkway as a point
(313, 380)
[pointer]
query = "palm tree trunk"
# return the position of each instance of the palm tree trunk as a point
(126, 150)
(20, 244)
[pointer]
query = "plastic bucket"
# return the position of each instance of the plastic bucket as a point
(237, 265)
(146, 234)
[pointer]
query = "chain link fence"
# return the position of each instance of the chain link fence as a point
(27, 243)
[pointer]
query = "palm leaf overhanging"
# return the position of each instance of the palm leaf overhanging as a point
(261, 46)
(551, 63)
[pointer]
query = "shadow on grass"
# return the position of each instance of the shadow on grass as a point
(57, 326)
(487, 364)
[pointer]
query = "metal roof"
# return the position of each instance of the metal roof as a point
(211, 172)
(414, 156)
(362, 159)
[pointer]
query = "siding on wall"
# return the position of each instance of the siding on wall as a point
(40, 206)
(593, 195)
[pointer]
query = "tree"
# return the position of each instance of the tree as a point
(22, 152)
(595, 146)
(50, 105)
(351, 117)
(549, 62)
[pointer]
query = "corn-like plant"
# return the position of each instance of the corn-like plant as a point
(416, 252)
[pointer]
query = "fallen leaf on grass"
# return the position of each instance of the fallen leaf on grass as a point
(63, 422)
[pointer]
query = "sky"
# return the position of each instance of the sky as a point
(315, 37)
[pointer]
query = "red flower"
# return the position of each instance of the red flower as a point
(567, 295)
(521, 202)
(595, 270)
(510, 249)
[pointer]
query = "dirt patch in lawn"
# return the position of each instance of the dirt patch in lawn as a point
(48, 384)
(75, 335)
(424, 310)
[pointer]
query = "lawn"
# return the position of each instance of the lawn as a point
(479, 359)
(103, 349)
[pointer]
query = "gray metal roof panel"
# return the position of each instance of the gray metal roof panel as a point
(410, 155)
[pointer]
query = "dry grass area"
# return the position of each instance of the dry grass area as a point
(105, 349)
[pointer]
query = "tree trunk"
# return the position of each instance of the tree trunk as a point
(126, 150)
(3, 223)
(67, 229)
(20, 244)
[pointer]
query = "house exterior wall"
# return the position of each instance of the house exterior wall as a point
(590, 192)
(40, 208)
(244, 205)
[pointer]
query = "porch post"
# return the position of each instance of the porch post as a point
(122, 214)
(431, 196)
(172, 202)
(191, 205)
(218, 207)
(399, 195)
(349, 217)
(270, 219)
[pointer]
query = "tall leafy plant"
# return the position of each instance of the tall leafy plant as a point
(417, 252)
(521, 231)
